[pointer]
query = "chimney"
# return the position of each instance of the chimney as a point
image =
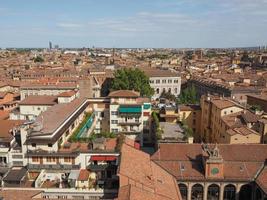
(190, 140)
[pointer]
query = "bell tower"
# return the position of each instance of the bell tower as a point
(213, 163)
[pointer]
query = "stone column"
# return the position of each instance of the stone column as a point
(221, 191)
(238, 187)
(189, 191)
(205, 191)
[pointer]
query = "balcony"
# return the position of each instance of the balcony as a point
(54, 167)
(133, 110)
(129, 123)
(131, 132)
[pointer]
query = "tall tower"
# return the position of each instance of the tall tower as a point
(50, 45)
(113, 56)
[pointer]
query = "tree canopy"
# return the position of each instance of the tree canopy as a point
(188, 96)
(168, 95)
(38, 59)
(132, 79)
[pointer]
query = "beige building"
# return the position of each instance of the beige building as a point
(188, 114)
(224, 121)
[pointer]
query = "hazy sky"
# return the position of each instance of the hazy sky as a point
(133, 23)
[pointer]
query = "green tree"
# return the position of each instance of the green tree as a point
(168, 95)
(38, 59)
(188, 96)
(132, 79)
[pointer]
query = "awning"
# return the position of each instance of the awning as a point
(130, 109)
(103, 158)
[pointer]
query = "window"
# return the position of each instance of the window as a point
(176, 81)
(164, 81)
(35, 159)
(51, 159)
(176, 90)
(157, 90)
(169, 81)
(50, 145)
(114, 112)
(114, 121)
(114, 130)
(67, 159)
(33, 144)
(194, 121)
(158, 81)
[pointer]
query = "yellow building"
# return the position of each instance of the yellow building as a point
(224, 121)
(188, 114)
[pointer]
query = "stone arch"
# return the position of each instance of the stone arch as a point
(183, 190)
(245, 192)
(229, 192)
(213, 192)
(197, 192)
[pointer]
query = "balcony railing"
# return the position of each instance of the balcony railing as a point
(128, 123)
(55, 167)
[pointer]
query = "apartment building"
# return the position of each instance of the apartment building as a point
(164, 81)
(130, 115)
(225, 121)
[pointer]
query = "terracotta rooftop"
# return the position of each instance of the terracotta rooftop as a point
(84, 175)
(14, 194)
(184, 161)
(124, 93)
(39, 100)
(262, 179)
(67, 94)
(148, 179)
(6, 126)
(4, 114)
(250, 117)
(222, 103)
(242, 131)
(160, 73)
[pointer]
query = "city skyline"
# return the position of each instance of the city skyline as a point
(133, 24)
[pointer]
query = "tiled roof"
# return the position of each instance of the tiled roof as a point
(124, 93)
(39, 100)
(222, 103)
(67, 94)
(250, 117)
(160, 73)
(6, 126)
(14, 194)
(262, 179)
(150, 181)
(184, 161)
(241, 131)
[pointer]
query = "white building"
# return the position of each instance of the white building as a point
(164, 80)
(130, 114)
